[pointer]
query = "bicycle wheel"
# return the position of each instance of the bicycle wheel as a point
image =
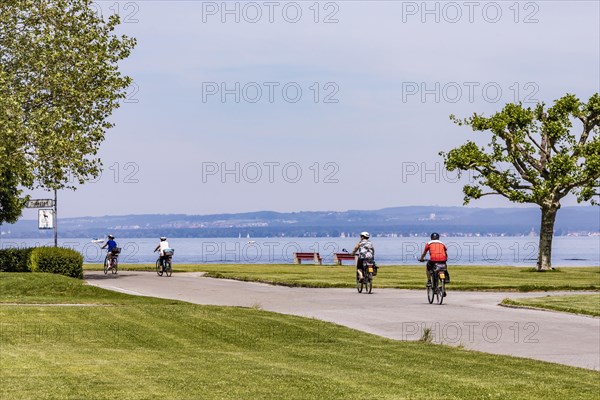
(441, 291)
(369, 283)
(168, 268)
(115, 265)
(431, 290)
(359, 285)
(158, 270)
(430, 294)
(105, 265)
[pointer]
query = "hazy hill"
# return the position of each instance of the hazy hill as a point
(398, 220)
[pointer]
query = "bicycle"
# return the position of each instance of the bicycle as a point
(437, 289)
(111, 261)
(366, 283)
(369, 270)
(167, 267)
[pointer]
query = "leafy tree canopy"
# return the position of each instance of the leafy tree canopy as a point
(59, 84)
(535, 155)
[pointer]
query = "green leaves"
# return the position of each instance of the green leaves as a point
(59, 84)
(10, 203)
(533, 155)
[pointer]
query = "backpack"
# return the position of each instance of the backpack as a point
(365, 250)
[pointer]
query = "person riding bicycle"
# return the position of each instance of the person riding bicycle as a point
(161, 249)
(366, 253)
(111, 244)
(438, 253)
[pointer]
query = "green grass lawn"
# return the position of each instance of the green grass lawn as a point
(32, 288)
(588, 304)
(143, 348)
(404, 277)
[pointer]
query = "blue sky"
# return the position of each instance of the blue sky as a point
(361, 135)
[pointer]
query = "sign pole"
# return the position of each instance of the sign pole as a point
(55, 220)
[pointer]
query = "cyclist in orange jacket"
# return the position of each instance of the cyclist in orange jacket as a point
(438, 253)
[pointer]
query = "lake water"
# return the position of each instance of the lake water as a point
(518, 251)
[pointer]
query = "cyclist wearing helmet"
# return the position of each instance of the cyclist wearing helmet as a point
(366, 252)
(438, 253)
(161, 249)
(111, 244)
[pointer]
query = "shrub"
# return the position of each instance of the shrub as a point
(15, 260)
(57, 260)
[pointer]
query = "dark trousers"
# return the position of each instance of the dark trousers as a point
(431, 266)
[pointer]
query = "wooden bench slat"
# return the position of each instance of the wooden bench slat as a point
(298, 257)
(339, 257)
(344, 256)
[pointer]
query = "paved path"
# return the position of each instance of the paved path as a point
(471, 319)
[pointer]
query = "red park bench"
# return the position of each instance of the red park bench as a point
(339, 257)
(298, 257)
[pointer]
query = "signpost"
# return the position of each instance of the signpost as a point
(48, 218)
(45, 219)
(40, 203)
(55, 220)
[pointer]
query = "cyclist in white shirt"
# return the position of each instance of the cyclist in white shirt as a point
(365, 251)
(161, 249)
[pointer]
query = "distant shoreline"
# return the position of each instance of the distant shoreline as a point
(493, 251)
(69, 235)
(414, 221)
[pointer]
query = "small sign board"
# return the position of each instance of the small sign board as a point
(45, 219)
(39, 203)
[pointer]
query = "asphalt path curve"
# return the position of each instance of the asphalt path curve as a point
(470, 319)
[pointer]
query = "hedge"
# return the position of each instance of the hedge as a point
(15, 260)
(56, 260)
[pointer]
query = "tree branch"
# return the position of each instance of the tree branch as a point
(587, 128)
(534, 142)
(532, 161)
(521, 168)
(491, 194)
(573, 185)
(523, 187)
(514, 186)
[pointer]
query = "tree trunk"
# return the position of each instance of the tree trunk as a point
(546, 236)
